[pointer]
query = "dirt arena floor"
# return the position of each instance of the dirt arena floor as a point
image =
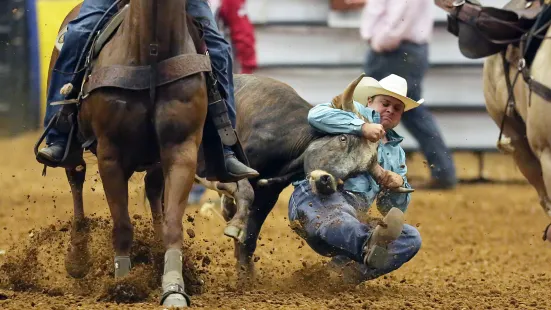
(482, 249)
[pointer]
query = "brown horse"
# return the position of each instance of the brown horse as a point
(159, 132)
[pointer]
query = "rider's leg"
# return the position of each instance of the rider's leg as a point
(331, 227)
(77, 34)
(220, 55)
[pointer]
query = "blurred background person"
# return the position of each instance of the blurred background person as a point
(233, 21)
(398, 33)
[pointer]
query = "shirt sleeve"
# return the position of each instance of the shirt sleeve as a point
(387, 199)
(388, 35)
(327, 119)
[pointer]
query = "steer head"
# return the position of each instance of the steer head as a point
(330, 160)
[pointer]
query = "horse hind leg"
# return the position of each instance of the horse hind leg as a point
(179, 125)
(78, 257)
(115, 183)
(545, 160)
(533, 169)
(179, 163)
(154, 190)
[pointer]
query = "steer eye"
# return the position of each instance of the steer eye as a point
(342, 138)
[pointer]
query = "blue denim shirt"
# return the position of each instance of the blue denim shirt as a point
(390, 154)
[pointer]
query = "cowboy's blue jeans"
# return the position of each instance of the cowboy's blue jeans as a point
(77, 34)
(80, 28)
(410, 61)
(331, 228)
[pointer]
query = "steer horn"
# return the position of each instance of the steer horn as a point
(401, 190)
(345, 101)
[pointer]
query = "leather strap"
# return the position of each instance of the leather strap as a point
(153, 55)
(138, 77)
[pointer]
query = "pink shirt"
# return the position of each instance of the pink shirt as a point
(385, 23)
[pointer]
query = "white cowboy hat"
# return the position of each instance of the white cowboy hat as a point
(393, 85)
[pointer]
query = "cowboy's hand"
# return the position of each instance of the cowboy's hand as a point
(391, 180)
(373, 132)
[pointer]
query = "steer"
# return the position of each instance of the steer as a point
(283, 147)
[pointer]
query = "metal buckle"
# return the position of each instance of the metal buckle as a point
(457, 3)
(153, 49)
(521, 64)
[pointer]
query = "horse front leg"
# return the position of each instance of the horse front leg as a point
(115, 184)
(77, 258)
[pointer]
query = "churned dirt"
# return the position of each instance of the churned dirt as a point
(482, 249)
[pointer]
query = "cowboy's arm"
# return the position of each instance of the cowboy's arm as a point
(387, 199)
(327, 119)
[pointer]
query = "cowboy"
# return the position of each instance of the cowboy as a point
(330, 224)
(75, 40)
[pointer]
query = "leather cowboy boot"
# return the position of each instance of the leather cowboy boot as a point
(375, 249)
(53, 154)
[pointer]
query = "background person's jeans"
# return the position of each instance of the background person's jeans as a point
(410, 61)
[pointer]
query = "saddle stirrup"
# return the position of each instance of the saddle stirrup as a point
(65, 121)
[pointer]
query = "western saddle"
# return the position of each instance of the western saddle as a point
(484, 31)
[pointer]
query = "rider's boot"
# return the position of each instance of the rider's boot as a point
(59, 131)
(63, 123)
(237, 168)
(376, 248)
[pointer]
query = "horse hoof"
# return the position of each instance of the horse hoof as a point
(77, 270)
(176, 301)
(235, 232)
(76, 264)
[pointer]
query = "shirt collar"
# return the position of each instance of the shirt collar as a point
(392, 136)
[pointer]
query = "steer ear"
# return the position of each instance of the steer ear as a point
(337, 102)
(345, 101)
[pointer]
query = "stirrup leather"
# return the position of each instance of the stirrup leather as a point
(219, 113)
